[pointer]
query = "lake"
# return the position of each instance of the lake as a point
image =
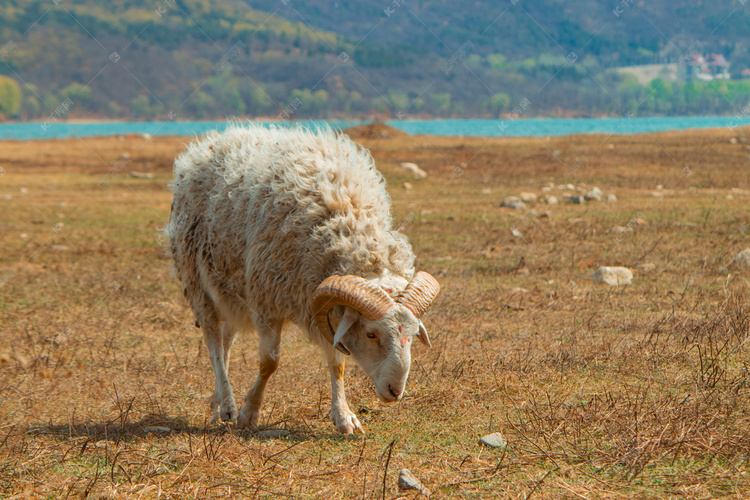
(531, 127)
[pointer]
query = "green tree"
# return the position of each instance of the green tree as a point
(141, 107)
(10, 96)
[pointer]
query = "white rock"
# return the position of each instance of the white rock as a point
(6, 197)
(531, 213)
(647, 267)
(742, 260)
(570, 187)
(611, 198)
(273, 433)
(577, 200)
(551, 200)
(413, 168)
(142, 175)
(528, 197)
(407, 481)
(513, 202)
(516, 233)
(732, 140)
(592, 196)
(407, 186)
(494, 440)
(613, 276)
(157, 429)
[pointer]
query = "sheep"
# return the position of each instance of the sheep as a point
(270, 225)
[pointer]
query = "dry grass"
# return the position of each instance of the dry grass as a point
(601, 392)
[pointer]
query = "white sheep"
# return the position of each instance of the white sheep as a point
(274, 224)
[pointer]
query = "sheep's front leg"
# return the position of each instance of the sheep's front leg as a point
(345, 421)
(223, 399)
(228, 334)
(269, 351)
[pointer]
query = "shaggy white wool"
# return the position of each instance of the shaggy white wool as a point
(261, 216)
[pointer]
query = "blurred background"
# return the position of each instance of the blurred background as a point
(397, 59)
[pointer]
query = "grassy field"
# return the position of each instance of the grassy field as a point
(601, 392)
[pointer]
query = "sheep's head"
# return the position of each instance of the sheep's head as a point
(374, 328)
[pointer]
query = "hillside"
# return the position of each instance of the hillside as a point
(208, 59)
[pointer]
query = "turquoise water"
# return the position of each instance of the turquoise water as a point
(531, 127)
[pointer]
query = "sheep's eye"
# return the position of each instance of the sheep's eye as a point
(372, 335)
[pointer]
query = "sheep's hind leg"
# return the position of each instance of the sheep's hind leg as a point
(343, 418)
(213, 335)
(269, 333)
(228, 334)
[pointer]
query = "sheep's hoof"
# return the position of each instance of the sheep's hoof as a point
(346, 422)
(248, 418)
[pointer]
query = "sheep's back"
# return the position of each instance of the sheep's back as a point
(261, 216)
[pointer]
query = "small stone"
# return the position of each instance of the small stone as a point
(414, 168)
(613, 276)
(23, 191)
(551, 200)
(546, 189)
(577, 200)
(659, 187)
(545, 215)
(523, 271)
(570, 187)
(513, 202)
(531, 213)
(6, 197)
(407, 186)
(494, 440)
(142, 175)
(516, 233)
(729, 197)
(732, 140)
(125, 156)
(519, 290)
(156, 429)
(528, 197)
(621, 230)
(273, 433)
(610, 146)
(592, 196)
(407, 481)
(60, 248)
(486, 191)
(24, 236)
(647, 267)
(742, 260)
(610, 198)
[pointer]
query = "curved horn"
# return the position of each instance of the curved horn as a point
(365, 297)
(419, 293)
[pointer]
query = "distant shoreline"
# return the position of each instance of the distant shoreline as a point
(513, 126)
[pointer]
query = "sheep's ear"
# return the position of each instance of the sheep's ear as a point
(349, 317)
(423, 334)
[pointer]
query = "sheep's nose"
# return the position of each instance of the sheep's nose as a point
(395, 393)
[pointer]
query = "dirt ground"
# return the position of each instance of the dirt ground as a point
(636, 391)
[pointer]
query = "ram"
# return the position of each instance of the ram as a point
(270, 225)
